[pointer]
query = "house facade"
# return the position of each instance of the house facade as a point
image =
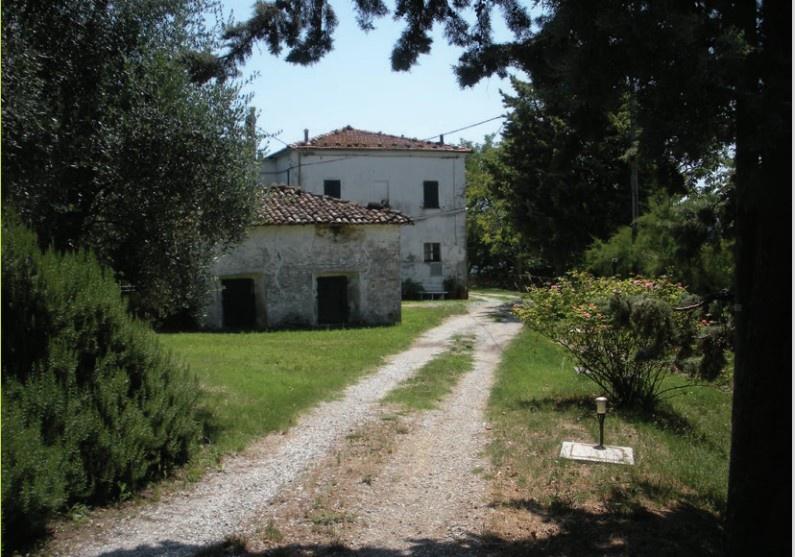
(421, 179)
(309, 261)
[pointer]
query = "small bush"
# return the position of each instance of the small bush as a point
(411, 290)
(455, 289)
(92, 407)
(623, 334)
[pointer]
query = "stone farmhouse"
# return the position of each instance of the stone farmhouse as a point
(422, 179)
(310, 260)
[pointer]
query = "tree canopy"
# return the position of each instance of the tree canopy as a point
(109, 145)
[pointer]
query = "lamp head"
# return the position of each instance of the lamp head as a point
(601, 405)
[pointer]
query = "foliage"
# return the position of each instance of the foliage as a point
(495, 251)
(92, 406)
(624, 334)
(455, 288)
(108, 145)
(561, 188)
(306, 29)
(683, 238)
(411, 289)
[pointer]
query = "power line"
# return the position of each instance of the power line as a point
(276, 137)
(465, 127)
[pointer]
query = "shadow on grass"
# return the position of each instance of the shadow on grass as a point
(663, 417)
(625, 528)
(582, 404)
(684, 530)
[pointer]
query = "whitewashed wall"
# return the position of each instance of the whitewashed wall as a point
(285, 261)
(397, 177)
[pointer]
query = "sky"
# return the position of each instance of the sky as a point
(354, 85)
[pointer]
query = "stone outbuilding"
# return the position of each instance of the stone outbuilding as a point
(310, 260)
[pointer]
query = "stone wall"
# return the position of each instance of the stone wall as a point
(285, 261)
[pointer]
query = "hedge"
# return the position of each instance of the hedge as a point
(92, 406)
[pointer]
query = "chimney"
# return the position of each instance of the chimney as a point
(306, 135)
(441, 139)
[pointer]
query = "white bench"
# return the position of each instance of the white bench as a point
(426, 294)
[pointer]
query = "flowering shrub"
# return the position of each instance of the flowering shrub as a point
(623, 333)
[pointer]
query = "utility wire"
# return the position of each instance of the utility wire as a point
(276, 137)
(465, 127)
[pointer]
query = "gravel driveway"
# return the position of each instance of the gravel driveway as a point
(429, 464)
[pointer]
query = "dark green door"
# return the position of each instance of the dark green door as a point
(238, 303)
(332, 300)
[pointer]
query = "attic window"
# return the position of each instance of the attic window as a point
(332, 188)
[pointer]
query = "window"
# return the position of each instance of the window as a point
(433, 253)
(430, 194)
(332, 188)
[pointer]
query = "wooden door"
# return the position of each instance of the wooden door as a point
(238, 303)
(332, 300)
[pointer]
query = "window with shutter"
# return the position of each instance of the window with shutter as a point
(430, 194)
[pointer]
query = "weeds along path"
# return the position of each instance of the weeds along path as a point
(224, 501)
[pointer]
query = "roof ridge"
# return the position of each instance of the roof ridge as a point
(349, 137)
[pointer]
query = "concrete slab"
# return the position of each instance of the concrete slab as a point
(588, 452)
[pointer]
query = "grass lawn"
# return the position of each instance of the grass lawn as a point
(435, 379)
(669, 503)
(260, 382)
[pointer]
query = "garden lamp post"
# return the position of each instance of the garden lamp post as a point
(601, 410)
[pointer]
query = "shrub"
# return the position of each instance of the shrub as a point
(92, 407)
(624, 334)
(411, 290)
(455, 288)
(682, 239)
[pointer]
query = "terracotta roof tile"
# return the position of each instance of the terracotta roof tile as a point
(286, 205)
(351, 138)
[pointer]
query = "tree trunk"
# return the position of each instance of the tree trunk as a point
(759, 498)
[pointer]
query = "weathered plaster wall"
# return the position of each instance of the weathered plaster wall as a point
(398, 178)
(285, 261)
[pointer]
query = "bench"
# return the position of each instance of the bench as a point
(426, 294)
